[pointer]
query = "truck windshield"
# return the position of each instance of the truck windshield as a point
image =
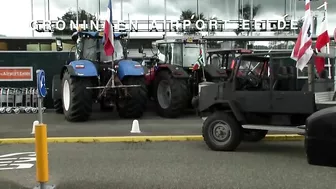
(190, 55)
(186, 55)
(246, 67)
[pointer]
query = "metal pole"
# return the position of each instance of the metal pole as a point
(99, 8)
(251, 14)
(45, 9)
(121, 9)
(77, 17)
(40, 110)
(165, 16)
(238, 5)
(197, 13)
(328, 46)
(32, 13)
(39, 102)
(48, 9)
(311, 75)
(295, 2)
(165, 24)
(290, 9)
(130, 27)
(242, 9)
(285, 8)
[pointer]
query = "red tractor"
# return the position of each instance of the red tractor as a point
(174, 72)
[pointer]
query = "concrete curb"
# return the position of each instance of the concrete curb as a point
(274, 137)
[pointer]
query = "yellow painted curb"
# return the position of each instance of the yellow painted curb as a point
(289, 137)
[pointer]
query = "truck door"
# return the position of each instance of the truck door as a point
(287, 100)
(257, 100)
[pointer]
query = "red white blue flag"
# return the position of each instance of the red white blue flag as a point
(108, 32)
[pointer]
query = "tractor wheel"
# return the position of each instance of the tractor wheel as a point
(172, 95)
(77, 100)
(134, 104)
(58, 106)
(251, 135)
(221, 132)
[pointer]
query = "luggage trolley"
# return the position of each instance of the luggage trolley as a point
(3, 100)
(28, 100)
(34, 101)
(18, 100)
(10, 93)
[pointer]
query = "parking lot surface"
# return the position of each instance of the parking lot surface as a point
(187, 165)
(100, 124)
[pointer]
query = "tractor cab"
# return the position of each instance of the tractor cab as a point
(183, 52)
(90, 46)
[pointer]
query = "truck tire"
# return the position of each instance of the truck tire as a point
(221, 132)
(172, 95)
(319, 152)
(134, 105)
(77, 100)
(58, 106)
(251, 135)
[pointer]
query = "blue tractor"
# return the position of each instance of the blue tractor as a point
(95, 78)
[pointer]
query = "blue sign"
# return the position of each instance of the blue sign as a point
(41, 84)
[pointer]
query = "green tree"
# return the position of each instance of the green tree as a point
(71, 15)
(245, 13)
(193, 17)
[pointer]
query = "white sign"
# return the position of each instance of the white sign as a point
(20, 160)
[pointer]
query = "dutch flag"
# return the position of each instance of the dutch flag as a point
(108, 32)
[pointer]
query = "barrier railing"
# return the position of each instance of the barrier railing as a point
(18, 100)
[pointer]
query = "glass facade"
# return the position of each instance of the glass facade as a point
(147, 9)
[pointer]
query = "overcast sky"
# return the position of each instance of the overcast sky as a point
(15, 15)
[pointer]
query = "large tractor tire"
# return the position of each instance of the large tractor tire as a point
(58, 106)
(172, 95)
(77, 100)
(134, 104)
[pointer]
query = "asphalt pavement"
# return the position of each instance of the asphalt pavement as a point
(276, 165)
(100, 124)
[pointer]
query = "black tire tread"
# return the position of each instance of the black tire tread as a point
(58, 106)
(135, 105)
(179, 97)
(258, 136)
(237, 133)
(81, 98)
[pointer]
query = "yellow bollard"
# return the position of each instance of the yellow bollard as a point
(41, 149)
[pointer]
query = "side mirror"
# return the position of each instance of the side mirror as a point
(141, 49)
(59, 45)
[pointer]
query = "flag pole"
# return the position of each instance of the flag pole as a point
(45, 9)
(165, 17)
(324, 5)
(328, 45)
(122, 10)
(32, 13)
(77, 15)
